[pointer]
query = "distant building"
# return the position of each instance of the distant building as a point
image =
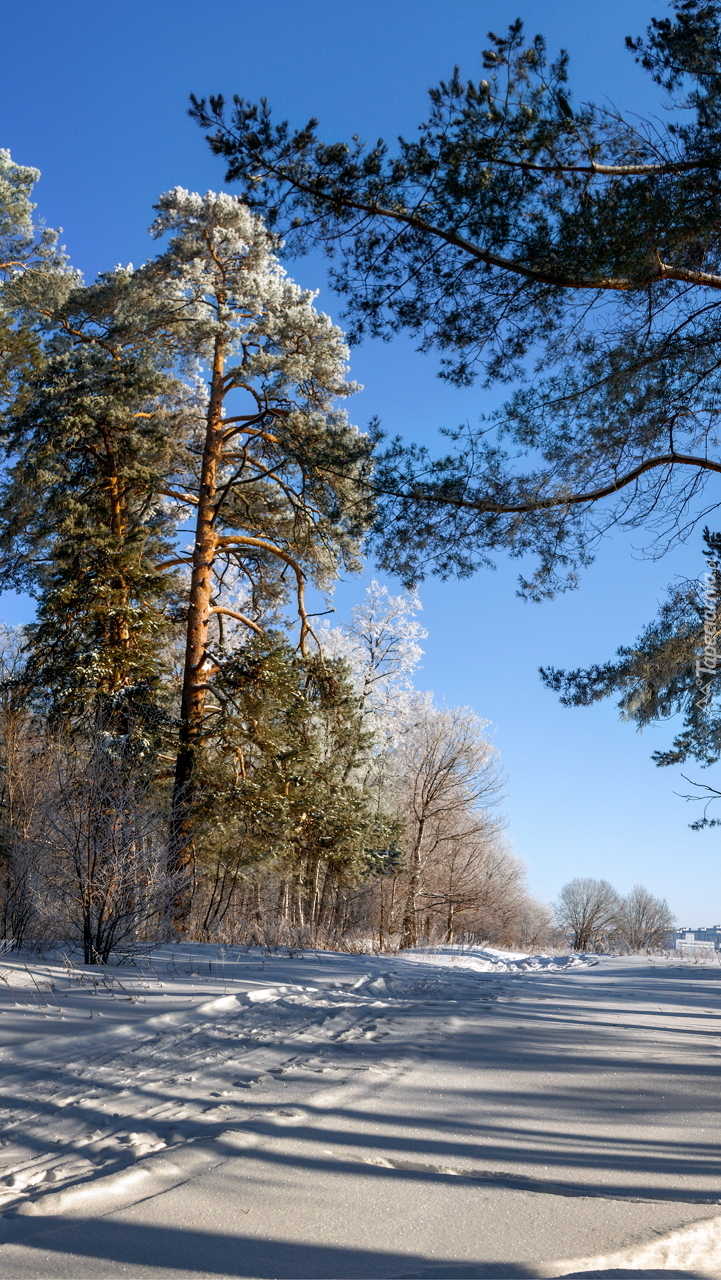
(698, 939)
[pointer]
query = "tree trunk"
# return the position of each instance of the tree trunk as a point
(119, 631)
(195, 671)
(449, 923)
(409, 934)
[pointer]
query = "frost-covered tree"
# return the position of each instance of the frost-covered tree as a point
(644, 921)
(446, 774)
(587, 910)
(471, 882)
(24, 248)
(437, 771)
(272, 469)
(381, 646)
(203, 386)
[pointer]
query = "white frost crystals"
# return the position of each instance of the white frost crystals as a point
(257, 307)
(16, 209)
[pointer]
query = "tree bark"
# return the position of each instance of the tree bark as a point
(119, 631)
(409, 934)
(192, 708)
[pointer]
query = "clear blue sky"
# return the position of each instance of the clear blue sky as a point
(95, 96)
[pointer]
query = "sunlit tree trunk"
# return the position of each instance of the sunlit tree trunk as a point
(196, 668)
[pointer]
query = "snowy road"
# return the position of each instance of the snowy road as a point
(358, 1116)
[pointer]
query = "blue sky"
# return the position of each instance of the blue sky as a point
(95, 96)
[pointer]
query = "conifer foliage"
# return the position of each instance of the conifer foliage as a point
(85, 526)
(525, 235)
(672, 668)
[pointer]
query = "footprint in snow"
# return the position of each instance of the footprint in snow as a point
(253, 1082)
(98, 1152)
(16, 1180)
(142, 1142)
(287, 1115)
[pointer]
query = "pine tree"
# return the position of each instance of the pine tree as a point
(526, 237)
(85, 524)
(26, 250)
(663, 674)
(273, 470)
(114, 440)
(278, 787)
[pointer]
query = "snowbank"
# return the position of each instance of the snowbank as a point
(491, 959)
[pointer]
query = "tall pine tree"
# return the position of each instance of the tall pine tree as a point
(275, 475)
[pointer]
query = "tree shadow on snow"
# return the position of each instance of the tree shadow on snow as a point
(248, 1258)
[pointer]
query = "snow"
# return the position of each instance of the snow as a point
(453, 1112)
(486, 959)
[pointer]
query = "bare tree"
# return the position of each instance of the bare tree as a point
(22, 788)
(381, 647)
(445, 770)
(534, 927)
(105, 851)
(472, 885)
(588, 910)
(644, 921)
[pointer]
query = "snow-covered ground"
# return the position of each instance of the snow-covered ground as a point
(447, 1113)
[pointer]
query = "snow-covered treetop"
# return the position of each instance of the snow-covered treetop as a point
(381, 641)
(224, 261)
(16, 209)
(381, 646)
